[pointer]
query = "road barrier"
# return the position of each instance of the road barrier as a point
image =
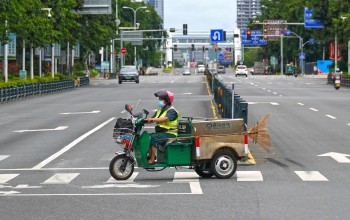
(23, 91)
(223, 98)
(344, 82)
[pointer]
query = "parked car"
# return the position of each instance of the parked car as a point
(128, 73)
(221, 69)
(242, 70)
(201, 69)
(186, 71)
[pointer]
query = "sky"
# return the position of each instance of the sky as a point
(199, 14)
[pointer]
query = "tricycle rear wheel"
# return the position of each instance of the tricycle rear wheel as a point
(204, 170)
(119, 170)
(224, 164)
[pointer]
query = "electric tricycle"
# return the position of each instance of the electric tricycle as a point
(209, 146)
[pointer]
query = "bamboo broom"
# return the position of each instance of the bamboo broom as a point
(260, 134)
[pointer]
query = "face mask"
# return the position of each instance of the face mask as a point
(161, 103)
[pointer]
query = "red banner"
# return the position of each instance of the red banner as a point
(332, 51)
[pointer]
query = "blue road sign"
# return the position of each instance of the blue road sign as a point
(302, 56)
(309, 22)
(254, 42)
(312, 41)
(221, 56)
(217, 35)
(288, 32)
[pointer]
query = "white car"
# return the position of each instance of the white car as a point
(242, 70)
(186, 71)
(201, 69)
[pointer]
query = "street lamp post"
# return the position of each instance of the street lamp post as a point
(135, 10)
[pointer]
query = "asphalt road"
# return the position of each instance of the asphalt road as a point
(62, 173)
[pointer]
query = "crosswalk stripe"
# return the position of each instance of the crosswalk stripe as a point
(61, 178)
(130, 180)
(3, 157)
(6, 177)
(249, 176)
(180, 177)
(311, 176)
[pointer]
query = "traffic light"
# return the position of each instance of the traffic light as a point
(175, 47)
(224, 35)
(249, 34)
(203, 48)
(184, 29)
(192, 48)
(215, 48)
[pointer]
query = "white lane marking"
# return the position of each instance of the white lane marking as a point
(275, 93)
(313, 109)
(180, 177)
(187, 93)
(175, 80)
(349, 124)
(332, 117)
(3, 157)
(264, 88)
(255, 85)
(280, 95)
(196, 188)
(300, 104)
(63, 168)
(129, 185)
(6, 177)
(311, 176)
(72, 144)
(268, 90)
(254, 103)
(249, 176)
(130, 180)
(11, 193)
(7, 193)
(61, 178)
(60, 128)
(122, 112)
(77, 113)
(339, 157)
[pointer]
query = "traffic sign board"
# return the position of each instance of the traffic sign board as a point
(273, 27)
(123, 50)
(221, 56)
(302, 56)
(309, 22)
(217, 35)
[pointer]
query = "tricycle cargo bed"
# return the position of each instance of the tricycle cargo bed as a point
(215, 135)
(218, 127)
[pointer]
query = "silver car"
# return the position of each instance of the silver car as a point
(128, 73)
(186, 71)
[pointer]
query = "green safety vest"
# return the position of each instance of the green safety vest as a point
(171, 126)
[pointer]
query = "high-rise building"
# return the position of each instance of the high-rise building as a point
(158, 6)
(246, 9)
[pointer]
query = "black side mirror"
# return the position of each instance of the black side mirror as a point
(144, 111)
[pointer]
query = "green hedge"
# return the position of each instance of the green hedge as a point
(16, 81)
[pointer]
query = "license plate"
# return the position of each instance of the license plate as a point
(127, 77)
(337, 81)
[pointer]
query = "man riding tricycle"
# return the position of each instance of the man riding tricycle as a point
(209, 146)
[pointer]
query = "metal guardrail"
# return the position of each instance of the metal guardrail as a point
(223, 98)
(23, 91)
(344, 82)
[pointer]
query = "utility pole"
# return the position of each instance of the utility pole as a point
(281, 55)
(6, 50)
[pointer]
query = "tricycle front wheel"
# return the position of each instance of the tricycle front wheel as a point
(121, 167)
(224, 164)
(204, 170)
